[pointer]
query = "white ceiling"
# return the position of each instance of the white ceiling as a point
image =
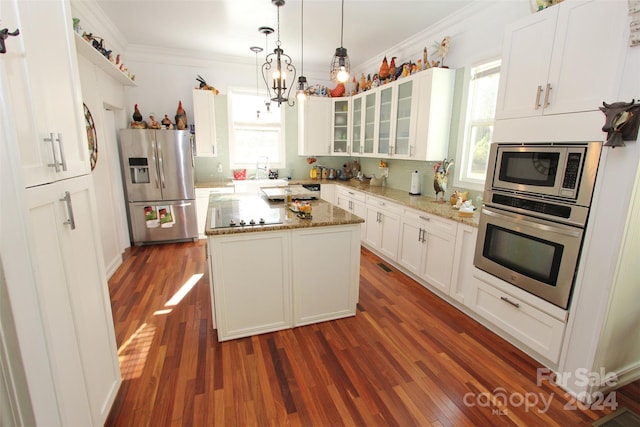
(226, 29)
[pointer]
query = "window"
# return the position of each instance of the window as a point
(252, 135)
(473, 151)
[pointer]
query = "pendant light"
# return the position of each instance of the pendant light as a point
(257, 50)
(340, 67)
(281, 64)
(303, 86)
(266, 31)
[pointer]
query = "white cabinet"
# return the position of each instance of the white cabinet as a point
(333, 293)
(248, 301)
(427, 245)
(314, 135)
(202, 203)
(548, 60)
(281, 288)
(63, 304)
(463, 282)
(340, 129)
(328, 193)
(382, 232)
(364, 123)
(533, 327)
(353, 201)
(414, 116)
(204, 119)
(73, 299)
(383, 141)
(434, 88)
(41, 64)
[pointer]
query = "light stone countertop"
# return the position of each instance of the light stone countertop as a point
(323, 214)
(421, 203)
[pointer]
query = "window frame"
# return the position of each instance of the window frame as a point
(461, 179)
(236, 163)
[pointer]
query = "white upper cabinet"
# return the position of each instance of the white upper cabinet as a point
(41, 64)
(314, 116)
(434, 103)
(385, 107)
(204, 118)
(340, 129)
(562, 59)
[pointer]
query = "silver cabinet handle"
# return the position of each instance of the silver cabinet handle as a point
(71, 221)
(420, 235)
(508, 301)
(546, 95)
(425, 218)
(63, 159)
(58, 165)
(538, 92)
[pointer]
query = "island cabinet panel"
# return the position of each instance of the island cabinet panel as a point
(251, 283)
(326, 269)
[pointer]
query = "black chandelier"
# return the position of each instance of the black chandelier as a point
(340, 67)
(281, 64)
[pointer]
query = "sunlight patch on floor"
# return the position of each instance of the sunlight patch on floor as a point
(132, 354)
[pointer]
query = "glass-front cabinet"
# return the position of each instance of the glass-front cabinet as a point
(384, 121)
(340, 127)
(404, 129)
(363, 123)
(369, 122)
(357, 130)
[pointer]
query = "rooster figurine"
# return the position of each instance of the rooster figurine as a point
(181, 117)
(441, 170)
(137, 116)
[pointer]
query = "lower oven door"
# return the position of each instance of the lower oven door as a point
(538, 256)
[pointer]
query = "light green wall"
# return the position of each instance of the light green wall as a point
(399, 170)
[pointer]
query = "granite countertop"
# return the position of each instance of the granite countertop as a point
(323, 214)
(421, 203)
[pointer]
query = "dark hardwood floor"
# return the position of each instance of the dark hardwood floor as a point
(406, 359)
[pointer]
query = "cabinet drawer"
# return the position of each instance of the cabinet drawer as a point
(434, 224)
(537, 330)
(383, 204)
(352, 194)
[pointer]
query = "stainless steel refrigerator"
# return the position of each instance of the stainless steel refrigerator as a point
(157, 170)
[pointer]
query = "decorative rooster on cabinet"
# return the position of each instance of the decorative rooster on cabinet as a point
(441, 170)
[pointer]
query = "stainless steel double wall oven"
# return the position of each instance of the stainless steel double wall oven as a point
(536, 205)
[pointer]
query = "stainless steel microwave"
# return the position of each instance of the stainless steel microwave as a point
(559, 171)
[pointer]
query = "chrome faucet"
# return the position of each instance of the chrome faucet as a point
(262, 165)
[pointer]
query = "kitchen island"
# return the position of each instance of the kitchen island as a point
(272, 270)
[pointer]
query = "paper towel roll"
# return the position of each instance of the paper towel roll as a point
(415, 184)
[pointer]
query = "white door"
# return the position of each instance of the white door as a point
(74, 299)
(411, 246)
(41, 64)
(579, 78)
(526, 53)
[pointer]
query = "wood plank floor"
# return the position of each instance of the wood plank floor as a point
(406, 359)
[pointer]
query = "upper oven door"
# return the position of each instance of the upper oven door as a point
(529, 169)
(538, 256)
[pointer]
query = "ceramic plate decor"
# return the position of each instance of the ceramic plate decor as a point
(92, 138)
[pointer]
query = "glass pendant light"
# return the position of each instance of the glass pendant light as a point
(256, 50)
(340, 67)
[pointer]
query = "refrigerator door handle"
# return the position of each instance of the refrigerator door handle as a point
(154, 160)
(161, 166)
(182, 205)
